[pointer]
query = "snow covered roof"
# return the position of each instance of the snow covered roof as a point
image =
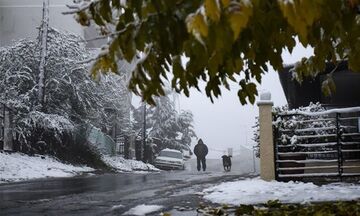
(327, 112)
(171, 150)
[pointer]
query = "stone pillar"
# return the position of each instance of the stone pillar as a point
(267, 160)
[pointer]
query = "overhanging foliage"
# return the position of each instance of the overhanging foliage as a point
(225, 40)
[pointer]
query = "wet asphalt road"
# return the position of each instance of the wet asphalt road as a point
(113, 194)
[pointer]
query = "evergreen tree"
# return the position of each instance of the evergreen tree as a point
(164, 125)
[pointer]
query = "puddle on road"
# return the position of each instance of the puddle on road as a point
(196, 189)
(141, 194)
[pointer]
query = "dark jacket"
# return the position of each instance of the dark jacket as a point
(200, 150)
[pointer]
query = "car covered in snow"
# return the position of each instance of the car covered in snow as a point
(169, 159)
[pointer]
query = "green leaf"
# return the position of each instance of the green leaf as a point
(116, 3)
(328, 86)
(242, 96)
(97, 19)
(105, 10)
(127, 43)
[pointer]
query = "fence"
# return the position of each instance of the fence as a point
(317, 145)
(101, 141)
(123, 146)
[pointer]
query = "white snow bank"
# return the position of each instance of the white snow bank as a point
(256, 191)
(123, 165)
(19, 167)
(143, 209)
(115, 207)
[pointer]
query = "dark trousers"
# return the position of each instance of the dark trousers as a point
(203, 162)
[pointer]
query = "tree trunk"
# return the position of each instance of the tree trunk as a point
(8, 139)
(43, 42)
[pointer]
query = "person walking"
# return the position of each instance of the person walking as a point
(201, 150)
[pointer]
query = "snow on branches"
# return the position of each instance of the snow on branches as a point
(70, 95)
(300, 122)
(296, 123)
(165, 126)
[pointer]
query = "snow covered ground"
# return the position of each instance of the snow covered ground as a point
(20, 167)
(256, 191)
(122, 165)
(143, 209)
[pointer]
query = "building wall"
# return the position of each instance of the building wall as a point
(20, 19)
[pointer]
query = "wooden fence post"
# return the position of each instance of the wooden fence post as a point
(267, 159)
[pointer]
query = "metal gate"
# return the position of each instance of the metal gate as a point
(123, 146)
(322, 145)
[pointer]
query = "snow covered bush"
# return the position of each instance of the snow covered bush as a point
(55, 123)
(71, 97)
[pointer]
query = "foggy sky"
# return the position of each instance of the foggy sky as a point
(226, 123)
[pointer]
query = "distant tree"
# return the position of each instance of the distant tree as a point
(165, 126)
(185, 122)
(224, 40)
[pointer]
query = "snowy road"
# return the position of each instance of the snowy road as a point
(113, 194)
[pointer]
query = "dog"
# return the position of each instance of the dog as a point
(226, 162)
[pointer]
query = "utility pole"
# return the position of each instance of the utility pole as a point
(144, 134)
(43, 41)
(254, 167)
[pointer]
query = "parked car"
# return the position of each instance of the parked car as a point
(170, 159)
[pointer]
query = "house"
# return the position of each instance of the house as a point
(347, 87)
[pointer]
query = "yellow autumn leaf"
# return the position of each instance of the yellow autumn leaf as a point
(212, 10)
(310, 11)
(293, 18)
(239, 19)
(225, 3)
(301, 15)
(196, 24)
